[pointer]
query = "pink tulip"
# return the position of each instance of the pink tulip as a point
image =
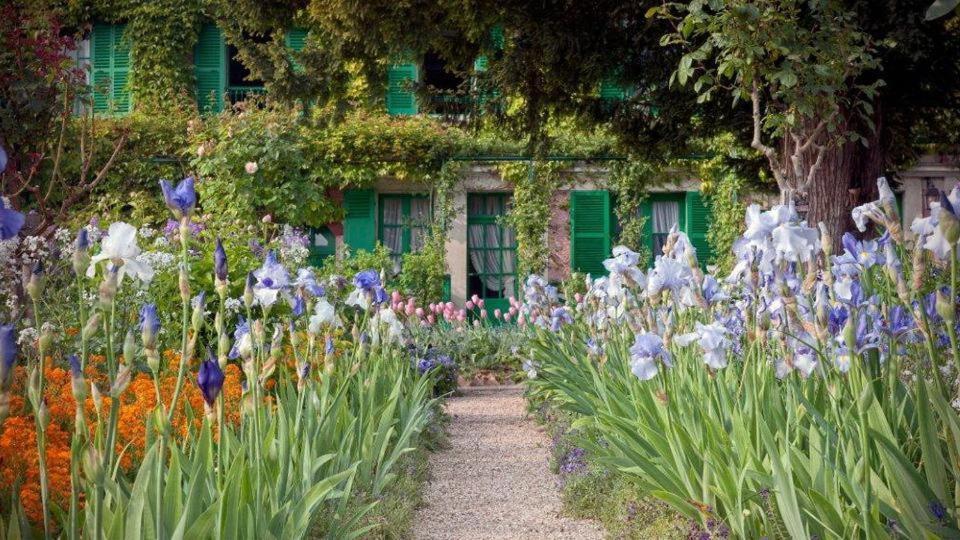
(409, 310)
(431, 319)
(475, 298)
(461, 317)
(521, 321)
(513, 301)
(396, 297)
(506, 317)
(412, 301)
(476, 323)
(483, 314)
(419, 312)
(451, 306)
(480, 303)
(513, 310)
(431, 306)
(498, 314)
(469, 305)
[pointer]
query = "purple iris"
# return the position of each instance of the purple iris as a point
(379, 295)
(272, 275)
(82, 243)
(180, 199)
(367, 280)
(220, 262)
(299, 305)
(239, 333)
(210, 379)
(899, 322)
(251, 280)
(937, 510)
(11, 222)
(857, 254)
(149, 320)
(75, 370)
(837, 319)
(307, 280)
(328, 346)
(559, 317)
(8, 350)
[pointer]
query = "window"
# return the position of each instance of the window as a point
(491, 250)
(437, 77)
(663, 211)
(404, 224)
(666, 215)
(239, 84)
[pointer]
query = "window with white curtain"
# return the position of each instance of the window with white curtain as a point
(404, 223)
(664, 215)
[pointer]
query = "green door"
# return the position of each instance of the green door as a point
(491, 251)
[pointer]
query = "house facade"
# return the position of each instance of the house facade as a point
(921, 184)
(481, 251)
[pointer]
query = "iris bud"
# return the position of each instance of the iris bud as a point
(43, 415)
(33, 387)
(129, 347)
(121, 382)
(35, 283)
(946, 308)
(4, 405)
(153, 360)
(223, 350)
(248, 290)
(826, 240)
(184, 283)
(93, 464)
(108, 289)
(160, 422)
(948, 221)
(199, 304)
(96, 396)
(850, 334)
(45, 340)
(81, 253)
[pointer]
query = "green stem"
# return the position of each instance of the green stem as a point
(41, 433)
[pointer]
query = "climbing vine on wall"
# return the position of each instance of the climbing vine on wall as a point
(630, 182)
(161, 34)
(533, 186)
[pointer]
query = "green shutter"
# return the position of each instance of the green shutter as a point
(359, 223)
(589, 231)
(612, 87)
(296, 39)
(210, 65)
(401, 99)
(698, 223)
(110, 59)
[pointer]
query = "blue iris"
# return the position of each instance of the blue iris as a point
(367, 280)
(220, 262)
(11, 222)
(75, 371)
(210, 380)
(8, 350)
(837, 319)
(180, 199)
(149, 320)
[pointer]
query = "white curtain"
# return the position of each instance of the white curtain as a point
(392, 233)
(491, 261)
(666, 214)
(419, 221)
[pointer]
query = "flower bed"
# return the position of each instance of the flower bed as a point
(806, 395)
(182, 395)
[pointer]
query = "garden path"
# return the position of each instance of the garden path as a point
(494, 481)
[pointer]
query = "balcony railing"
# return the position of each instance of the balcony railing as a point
(243, 93)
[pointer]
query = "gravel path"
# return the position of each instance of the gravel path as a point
(494, 480)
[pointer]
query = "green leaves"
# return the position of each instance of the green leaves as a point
(833, 457)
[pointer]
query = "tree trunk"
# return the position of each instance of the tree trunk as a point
(829, 193)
